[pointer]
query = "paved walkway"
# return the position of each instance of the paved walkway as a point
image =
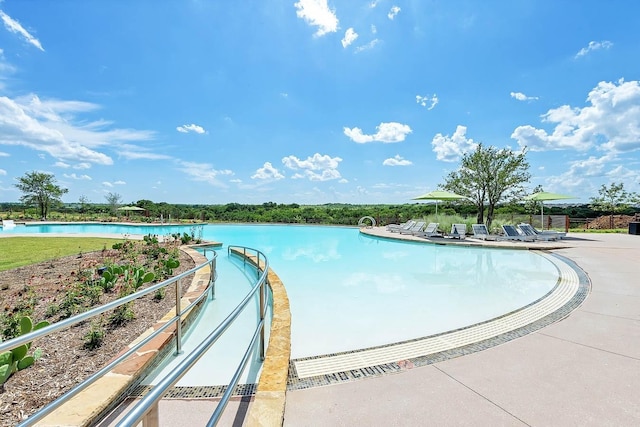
(581, 371)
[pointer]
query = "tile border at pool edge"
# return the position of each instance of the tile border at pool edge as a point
(572, 302)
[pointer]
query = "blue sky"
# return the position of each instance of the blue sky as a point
(314, 101)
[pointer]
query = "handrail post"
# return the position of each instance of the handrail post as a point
(179, 318)
(152, 418)
(262, 312)
(212, 278)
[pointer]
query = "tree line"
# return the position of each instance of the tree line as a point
(492, 180)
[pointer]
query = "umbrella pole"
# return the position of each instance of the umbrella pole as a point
(542, 215)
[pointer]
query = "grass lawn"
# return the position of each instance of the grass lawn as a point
(18, 251)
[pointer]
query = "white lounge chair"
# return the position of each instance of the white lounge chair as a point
(528, 230)
(480, 232)
(395, 228)
(430, 231)
(511, 233)
(458, 231)
(416, 228)
(558, 234)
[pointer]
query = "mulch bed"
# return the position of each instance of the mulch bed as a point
(65, 361)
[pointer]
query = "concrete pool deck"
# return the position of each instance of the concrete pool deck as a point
(582, 370)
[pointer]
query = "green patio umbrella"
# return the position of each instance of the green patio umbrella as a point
(439, 195)
(545, 195)
(128, 209)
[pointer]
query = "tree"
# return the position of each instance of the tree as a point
(84, 203)
(612, 199)
(40, 190)
(533, 206)
(114, 200)
(489, 175)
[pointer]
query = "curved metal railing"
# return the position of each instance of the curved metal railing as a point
(67, 323)
(363, 222)
(147, 408)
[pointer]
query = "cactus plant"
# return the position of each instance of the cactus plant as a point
(17, 358)
(110, 276)
(137, 277)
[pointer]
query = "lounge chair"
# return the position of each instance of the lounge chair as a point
(480, 232)
(395, 228)
(558, 234)
(416, 228)
(528, 230)
(8, 224)
(511, 233)
(430, 231)
(458, 231)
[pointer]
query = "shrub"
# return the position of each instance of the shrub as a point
(122, 315)
(94, 337)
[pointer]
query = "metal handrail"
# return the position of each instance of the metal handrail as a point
(74, 320)
(148, 404)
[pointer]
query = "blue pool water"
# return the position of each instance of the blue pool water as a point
(349, 291)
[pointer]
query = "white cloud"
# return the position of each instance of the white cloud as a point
(190, 128)
(374, 3)
(315, 168)
(77, 177)
(397, 160)
(79, 166)
(203, 172)
(317, 13)
(107, 184)
(119, 183)
(386, 133)
(3, 154)
(15, 27)
(52, 126)
(134, 152)
(451, 148)
(594, 46)
(581, 175)
(611, 122)
(367, 46)
(3, 172)
(393, 12)
(374, 29)
(522, 97)
(425, 101)
(349, 37)
(267, 172)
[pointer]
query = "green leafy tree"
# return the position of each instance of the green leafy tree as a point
(40, 189)
(84, 204)
(613, 199)
(114, 200)
(489, 176)
(533, 207)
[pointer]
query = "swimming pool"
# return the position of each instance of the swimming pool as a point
(349, 291)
